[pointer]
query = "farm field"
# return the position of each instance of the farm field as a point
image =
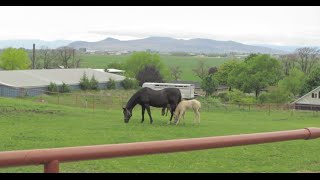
(186, 63)
(25, 124)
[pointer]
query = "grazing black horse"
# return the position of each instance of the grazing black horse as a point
(147, 97)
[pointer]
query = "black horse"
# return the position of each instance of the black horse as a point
(147, 97)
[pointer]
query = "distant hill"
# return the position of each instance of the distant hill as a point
(167, 44)
(27, 44)
(282, 48)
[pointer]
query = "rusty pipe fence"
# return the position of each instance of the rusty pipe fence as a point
(51, 158)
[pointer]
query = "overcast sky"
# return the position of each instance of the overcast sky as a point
(252, 25)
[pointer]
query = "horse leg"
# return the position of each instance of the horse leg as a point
(163, 111)
(149, 113)
(197, 115)
(167, 110)
(143, 110)
(181, 114)
(172, 108)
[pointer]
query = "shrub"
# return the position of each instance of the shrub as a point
(111, 84)
(275, 95)
(128, 83)
(52, 88)
(84, 82)
(64, 88)
(94, 84)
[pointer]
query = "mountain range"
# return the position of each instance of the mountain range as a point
(160, 44)
(167, 44)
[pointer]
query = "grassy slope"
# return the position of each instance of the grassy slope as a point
(186, 63)
(28, 125)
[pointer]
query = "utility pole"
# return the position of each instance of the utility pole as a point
(34, 56)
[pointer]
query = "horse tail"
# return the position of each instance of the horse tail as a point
(180, 97)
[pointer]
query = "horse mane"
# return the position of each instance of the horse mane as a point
(131, 102)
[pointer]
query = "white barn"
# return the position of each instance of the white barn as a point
(310, 101)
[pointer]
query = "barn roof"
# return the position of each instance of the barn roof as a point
(43, 77)
(301, 98)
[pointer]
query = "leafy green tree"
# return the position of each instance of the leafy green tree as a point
(209, 84)
(294, 82)
(139, 60)
(312, 81)
(115, 65)
(14, 59)
(256, 74)
(224, 71)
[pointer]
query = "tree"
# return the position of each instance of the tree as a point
(149, 74)
(129, 83)
(307, 58)
(293, 83)
(47, 56)
(201, 70)
(14, 59)
(139, 60)
(212, 70)
(115, 65)
(209, 84)
(255, 74)
(64, 88)
(175, 72)
(65, 55)
(94, 84)
(224, 71)
(111, 84)
(288, 62)
(312, 81)
(84, 82)
(53, 88)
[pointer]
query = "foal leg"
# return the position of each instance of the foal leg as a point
(198, 115)
(149, 113)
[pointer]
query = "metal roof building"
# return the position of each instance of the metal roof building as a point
(31, 82)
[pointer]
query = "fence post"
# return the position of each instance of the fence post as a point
(76, 99)
(51, 167)
(93, 102)
(58, 98)
(269, 109)
(249, 107)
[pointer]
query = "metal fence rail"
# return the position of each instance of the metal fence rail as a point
(51, 158)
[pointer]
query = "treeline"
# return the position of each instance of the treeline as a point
(267, 78)
(64, 57)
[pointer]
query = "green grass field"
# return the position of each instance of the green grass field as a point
(30, 125)
(186, 63)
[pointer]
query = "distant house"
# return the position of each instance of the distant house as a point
(16, 83)
(310, 101)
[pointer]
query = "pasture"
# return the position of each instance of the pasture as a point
(186, 63)
(25, 124)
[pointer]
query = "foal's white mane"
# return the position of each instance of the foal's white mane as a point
(193, 104)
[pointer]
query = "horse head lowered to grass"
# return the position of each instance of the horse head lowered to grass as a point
(147, 97)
